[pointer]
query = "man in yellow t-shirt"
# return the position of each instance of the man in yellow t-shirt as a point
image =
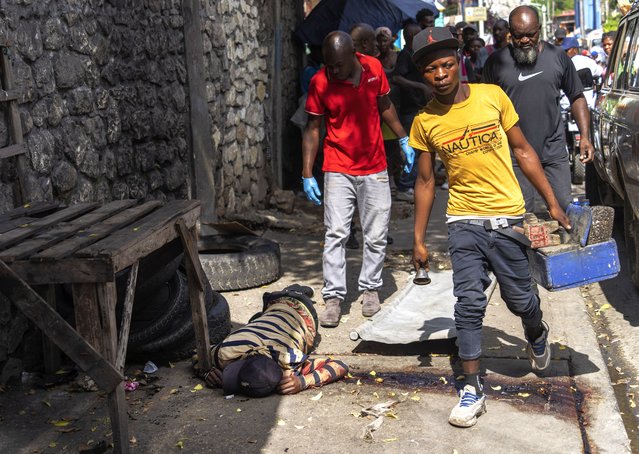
(471, 127)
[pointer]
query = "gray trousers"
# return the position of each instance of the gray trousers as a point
(371, 194)
(559, 177)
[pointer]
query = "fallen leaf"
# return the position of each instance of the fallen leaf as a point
(281, 422)
(133, 440)
(372, 373)
(60, 423)
(348, 375)
(379, 380)
(317, 396)
(174, 391)
(391, 394)
(180, 444)
(171, 365)
(562, 347)
(389, 440)
(605, 306)
(392, 415)
(443, 380)
(94, 428)
(523, 394)
(404, 394)
(415, 398)
(376, 395)
(356, 414)
(359, 382)
(197, 388)
(239, 410)
(299, 427)
(53, 444)
(496, 388)
(47, 403)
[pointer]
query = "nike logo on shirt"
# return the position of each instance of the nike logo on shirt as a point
(522, 78)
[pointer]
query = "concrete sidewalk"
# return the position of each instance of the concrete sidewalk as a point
(570, 409)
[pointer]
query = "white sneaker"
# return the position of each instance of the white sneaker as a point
(468, 409)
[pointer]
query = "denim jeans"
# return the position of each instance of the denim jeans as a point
(371, 195)
(474, 251)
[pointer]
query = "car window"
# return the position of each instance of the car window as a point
(621, 70)
(613, 58)
(633, 62)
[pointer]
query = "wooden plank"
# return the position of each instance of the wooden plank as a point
(125, 257)
(97, 232)
(87, 314)
(70, 270)
(190, 253)
(30, 209)
(123, 338)
(127, 240)
(58, 330)
(50, 352)
(64, 231)
(204, 161)
(9, 95)
(12, 150)
(11, 238)
(106, 299)
(198, 310)
(15, 223)
(15, 127)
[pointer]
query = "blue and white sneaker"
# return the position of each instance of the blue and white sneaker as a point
(539, 350)
(468, 409)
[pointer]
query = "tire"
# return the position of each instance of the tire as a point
(631, 235)
(237, 262)
(174, 302)
(593, 185)
(180, 330)
(578, 171)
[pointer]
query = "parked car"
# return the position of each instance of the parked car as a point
(613, 178)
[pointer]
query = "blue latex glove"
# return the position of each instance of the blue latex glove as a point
(409, 154)
(312, 190)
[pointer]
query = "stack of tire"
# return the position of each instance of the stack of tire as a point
(161, 323)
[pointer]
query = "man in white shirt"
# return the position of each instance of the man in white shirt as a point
(571, 46)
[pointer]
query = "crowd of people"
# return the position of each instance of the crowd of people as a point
(380, 116)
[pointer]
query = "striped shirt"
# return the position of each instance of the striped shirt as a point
(285, 332)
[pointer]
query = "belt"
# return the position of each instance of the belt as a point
(501, 225)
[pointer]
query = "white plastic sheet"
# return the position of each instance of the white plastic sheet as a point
(416, 313)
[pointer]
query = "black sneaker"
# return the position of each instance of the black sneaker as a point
(539, 350)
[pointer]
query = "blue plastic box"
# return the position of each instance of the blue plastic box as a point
(584, 265)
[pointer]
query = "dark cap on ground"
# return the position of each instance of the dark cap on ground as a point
(256, 376)
(431, 39)
(570, 42)
(560, 33)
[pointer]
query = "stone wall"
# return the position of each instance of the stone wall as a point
(105, 108)
(239, 52)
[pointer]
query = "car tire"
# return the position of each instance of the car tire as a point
(237, 262)
(631, 235)
(593, 185)
(179, 334)
(173, 302)
(578, 171)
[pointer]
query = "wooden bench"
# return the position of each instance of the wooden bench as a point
(85, 245)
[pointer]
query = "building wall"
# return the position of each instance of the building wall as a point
(105, 108)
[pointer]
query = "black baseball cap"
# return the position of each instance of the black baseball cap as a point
(431, 39)
(255, 376)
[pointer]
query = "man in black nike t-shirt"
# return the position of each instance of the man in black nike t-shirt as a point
(533, 73)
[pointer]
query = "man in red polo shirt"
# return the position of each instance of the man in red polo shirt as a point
(351, 93)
